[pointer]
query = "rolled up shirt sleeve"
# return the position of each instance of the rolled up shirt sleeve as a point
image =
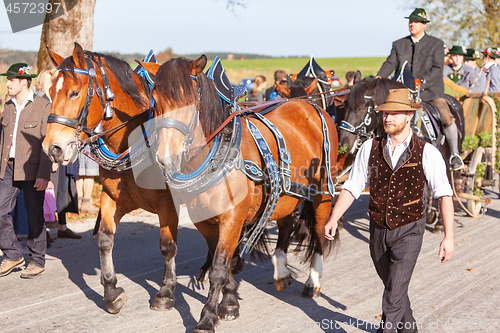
(435, 172)
(359, 177)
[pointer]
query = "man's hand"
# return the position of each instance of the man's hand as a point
(330, 229)
(446, 249)
(41, 184)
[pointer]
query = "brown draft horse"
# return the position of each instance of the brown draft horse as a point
(187, 100)
(121, 193)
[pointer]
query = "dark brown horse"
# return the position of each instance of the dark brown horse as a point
(74, 115)
(361, 122)
(189, 111)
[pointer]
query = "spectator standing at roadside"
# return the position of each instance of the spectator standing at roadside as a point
(256, 95)
(88, 170)
(280, 77)
(25, 166)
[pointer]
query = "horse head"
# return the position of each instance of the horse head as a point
(83, 96)
(301, 87)
(187, 110)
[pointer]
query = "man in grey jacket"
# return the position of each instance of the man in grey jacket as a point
(425, 56)
(23, 165)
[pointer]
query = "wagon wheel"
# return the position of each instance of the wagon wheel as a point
(473, 206)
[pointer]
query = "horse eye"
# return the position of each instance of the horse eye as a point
(74, 94)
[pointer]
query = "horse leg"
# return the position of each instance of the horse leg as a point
(229, 307)
(114, 297)
(312, 287)
(282, 275)
(220, 278)
(164, 298)
(237, 264)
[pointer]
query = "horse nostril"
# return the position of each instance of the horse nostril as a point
(55, 151)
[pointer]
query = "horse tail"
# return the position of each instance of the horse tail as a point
(308, 239)
(261, 250)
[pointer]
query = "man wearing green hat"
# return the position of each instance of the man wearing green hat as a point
(478, 82)
(23, 165)
(460, 73)
(424, 54)
(490, 67)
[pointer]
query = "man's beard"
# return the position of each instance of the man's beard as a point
(397, 129)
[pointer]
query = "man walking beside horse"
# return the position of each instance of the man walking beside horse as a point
(396, 167)
(424, 55)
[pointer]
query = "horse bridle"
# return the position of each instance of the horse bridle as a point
(80, 122)
(186, 130)
(360, 131)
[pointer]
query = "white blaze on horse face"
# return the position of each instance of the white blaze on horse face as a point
(59, 84)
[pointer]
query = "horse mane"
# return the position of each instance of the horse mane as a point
(176, 88)
(121, 69)
(298, 87)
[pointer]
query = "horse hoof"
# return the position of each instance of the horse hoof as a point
(117, 304)
(311, 292)
(163, 303)
(229, 313)
(201, 330)
(283, 283)
(238, 267)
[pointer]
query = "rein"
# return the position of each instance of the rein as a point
(80, 122)
(360, 131)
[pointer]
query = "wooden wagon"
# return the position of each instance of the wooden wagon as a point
(480, 162)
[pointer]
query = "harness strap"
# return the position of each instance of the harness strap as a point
(274, 183)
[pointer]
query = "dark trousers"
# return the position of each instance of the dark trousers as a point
(394, 254)
(36, 246)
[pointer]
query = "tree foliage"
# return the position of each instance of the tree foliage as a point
(472, 23)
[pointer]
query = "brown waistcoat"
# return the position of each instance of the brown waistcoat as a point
(396, 196)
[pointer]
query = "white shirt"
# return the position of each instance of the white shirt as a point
(414, 40)
(432, 162)
(19, 108)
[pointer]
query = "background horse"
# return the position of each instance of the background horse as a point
(121, 194)
(188, 109)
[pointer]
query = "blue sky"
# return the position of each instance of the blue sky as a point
(334, 28)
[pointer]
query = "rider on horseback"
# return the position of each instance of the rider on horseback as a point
(425, 56)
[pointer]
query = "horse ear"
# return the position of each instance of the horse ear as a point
(283, 91)
(79, 56)
(357, 77)
(56, 58)
(312, 86)
(371, 87)
(198, 65)
(151, 67)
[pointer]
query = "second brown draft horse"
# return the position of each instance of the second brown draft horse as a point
(188, 111)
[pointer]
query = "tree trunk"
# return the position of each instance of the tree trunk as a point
(60, 33)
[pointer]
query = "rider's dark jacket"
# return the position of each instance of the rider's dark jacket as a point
(426, 59)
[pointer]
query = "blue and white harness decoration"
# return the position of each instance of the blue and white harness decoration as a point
(224, 156)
